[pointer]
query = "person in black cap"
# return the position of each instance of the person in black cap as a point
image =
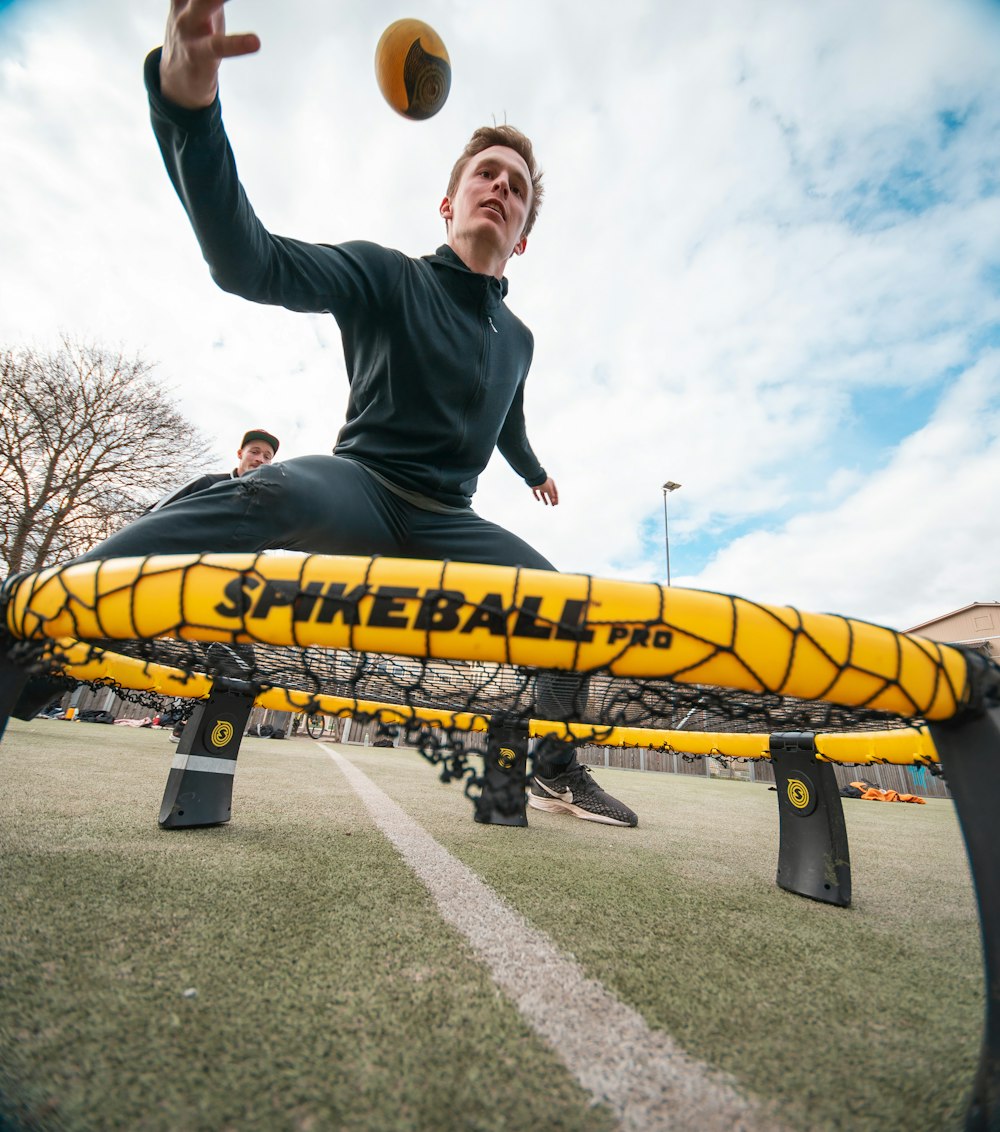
(259, 447)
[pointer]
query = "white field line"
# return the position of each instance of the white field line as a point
(640, 1073)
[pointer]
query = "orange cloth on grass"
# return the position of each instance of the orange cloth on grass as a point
(873, 794)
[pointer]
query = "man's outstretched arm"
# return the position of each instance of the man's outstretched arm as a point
(244, 257)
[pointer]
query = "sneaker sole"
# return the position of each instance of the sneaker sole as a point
(554, 806)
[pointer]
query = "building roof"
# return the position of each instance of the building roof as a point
(954, 612)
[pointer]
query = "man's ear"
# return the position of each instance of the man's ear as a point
(445, 209)
(520, 246)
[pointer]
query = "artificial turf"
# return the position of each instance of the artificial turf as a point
(287, 970)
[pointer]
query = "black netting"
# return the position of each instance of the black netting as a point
(485, 689)
(443, 705)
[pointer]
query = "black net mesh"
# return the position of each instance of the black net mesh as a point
(443, 705)
(484, 689)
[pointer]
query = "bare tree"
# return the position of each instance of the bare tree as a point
(88, 438)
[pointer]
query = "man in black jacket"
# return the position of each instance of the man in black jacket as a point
(258, 448)
(436, 362)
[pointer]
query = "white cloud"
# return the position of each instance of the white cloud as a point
(913, 539)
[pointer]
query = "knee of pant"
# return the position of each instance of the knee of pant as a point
(294, 501)
(266, 474)
(267, 483)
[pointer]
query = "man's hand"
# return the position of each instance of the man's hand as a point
(194, 45)
(547, 492)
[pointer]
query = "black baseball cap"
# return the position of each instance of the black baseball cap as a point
(260, 434)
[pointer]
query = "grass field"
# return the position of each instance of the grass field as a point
(302, 968)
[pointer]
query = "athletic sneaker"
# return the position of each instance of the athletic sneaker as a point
(575, 792)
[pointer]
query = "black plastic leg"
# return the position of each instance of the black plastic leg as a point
(969, 749)
(13, 678)
(503, 800)
(813, 855)
(199, 787)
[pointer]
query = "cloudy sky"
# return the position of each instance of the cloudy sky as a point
(767, 268)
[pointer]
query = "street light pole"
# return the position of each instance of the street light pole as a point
(668, 487)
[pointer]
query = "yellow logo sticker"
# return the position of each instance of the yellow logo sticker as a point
(506, 758)
(798, 793)
(222, 733)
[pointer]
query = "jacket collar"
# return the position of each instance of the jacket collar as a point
(448, 257)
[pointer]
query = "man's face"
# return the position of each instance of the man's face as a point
(252, 455)
(491, 200)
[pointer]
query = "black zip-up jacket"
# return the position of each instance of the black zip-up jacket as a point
(436, 361)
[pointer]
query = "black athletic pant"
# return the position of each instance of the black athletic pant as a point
(320, 505)
(329, 505)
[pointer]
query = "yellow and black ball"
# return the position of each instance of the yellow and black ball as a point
(413, 69)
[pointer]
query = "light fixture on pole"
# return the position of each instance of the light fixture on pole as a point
(668, 487)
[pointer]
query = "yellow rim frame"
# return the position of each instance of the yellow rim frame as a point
(463, 611)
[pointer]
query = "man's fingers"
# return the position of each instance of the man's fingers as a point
(194, 44)
(197, 17)
(547, 493)
(229, 46)
(196, 9)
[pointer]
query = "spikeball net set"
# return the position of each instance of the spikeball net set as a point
(471, 663)
(442, 648)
